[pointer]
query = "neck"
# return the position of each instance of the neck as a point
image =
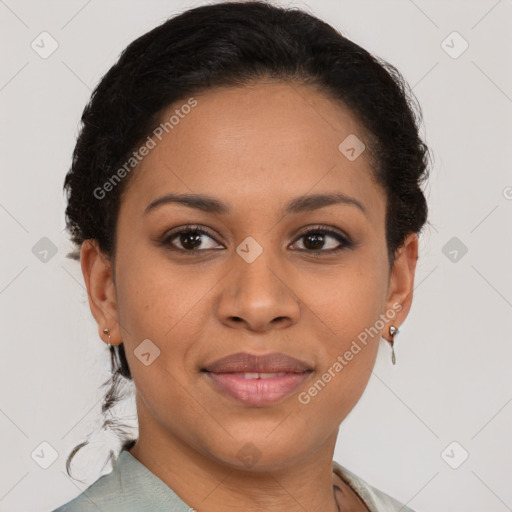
(204, 483)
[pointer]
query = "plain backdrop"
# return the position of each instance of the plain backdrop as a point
(449, 396)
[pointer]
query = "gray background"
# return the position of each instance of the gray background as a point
(452, 380)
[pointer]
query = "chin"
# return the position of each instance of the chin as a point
(260, 452)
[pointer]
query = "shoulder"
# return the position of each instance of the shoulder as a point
(106, 494)
(129, 486)
(373, 498)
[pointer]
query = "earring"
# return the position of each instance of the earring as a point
(107, 331)
(392, 331)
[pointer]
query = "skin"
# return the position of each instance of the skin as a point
(254, 148)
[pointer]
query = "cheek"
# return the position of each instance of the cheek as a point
(348, 358)
(155, 304)
(345, 301)
(347, 307)
(155, 297)
(168, 306)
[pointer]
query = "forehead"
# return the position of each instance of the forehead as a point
(256, 142)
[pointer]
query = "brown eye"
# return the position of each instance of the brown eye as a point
(191, 240)
(323, 240)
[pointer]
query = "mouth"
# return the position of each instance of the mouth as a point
(257, 380)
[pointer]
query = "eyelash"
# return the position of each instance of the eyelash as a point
(345, 242)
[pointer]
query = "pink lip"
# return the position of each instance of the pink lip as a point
(227, 376)
(275, 362)
(257, 392)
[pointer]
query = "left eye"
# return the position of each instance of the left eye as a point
(318, 240)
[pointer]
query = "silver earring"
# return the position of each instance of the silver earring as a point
(107, 331)
(392, 331)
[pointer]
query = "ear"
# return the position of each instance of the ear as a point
(401, 281)
(98, 276)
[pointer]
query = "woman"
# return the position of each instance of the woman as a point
(246, 195)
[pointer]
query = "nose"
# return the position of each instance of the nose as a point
(257, 296)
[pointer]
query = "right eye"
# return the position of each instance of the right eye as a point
(189, 239)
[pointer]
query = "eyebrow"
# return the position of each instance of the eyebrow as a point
(211, 205)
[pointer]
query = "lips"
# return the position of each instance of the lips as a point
(257, 380)
(243, 362)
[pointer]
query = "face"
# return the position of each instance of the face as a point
(290, 257)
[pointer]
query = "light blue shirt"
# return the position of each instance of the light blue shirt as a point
(131, 487)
